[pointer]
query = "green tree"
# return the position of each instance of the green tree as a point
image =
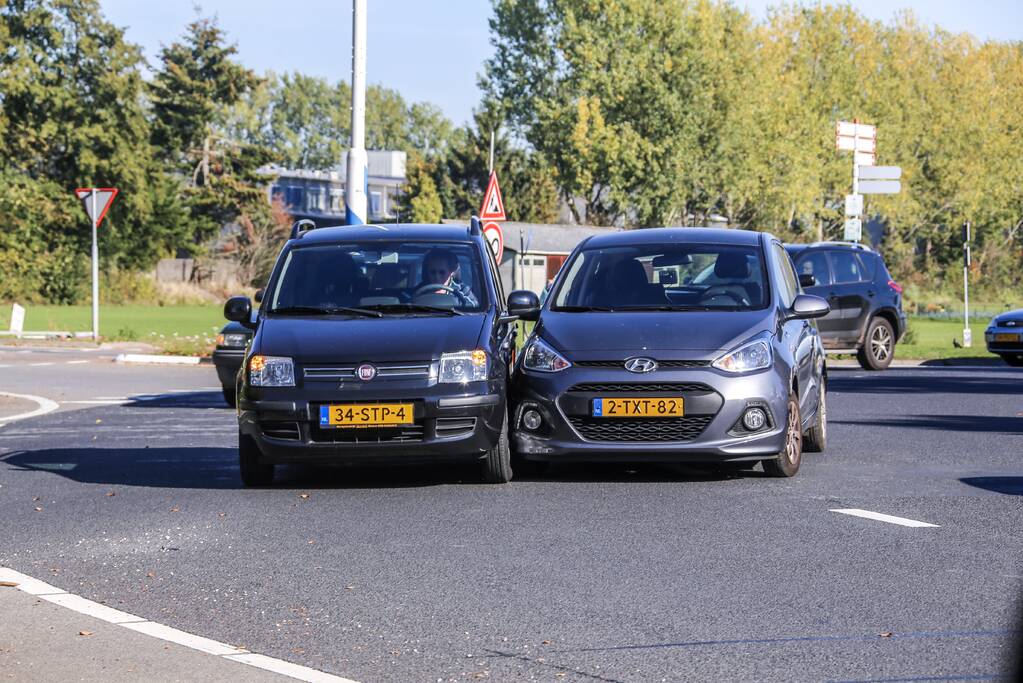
(420, 201)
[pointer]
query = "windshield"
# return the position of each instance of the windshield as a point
(398, 278)
(656, 277)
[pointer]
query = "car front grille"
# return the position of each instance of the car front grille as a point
(645, 430)
(281, 430)
(665, 364)
(639, 387)
(403, 434)
(343, 372)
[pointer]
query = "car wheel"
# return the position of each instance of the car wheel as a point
(1015, 361)
(878, 347)
(253, 472)
(787, 462)
(229, 396)
(815, 439)
(497, 467)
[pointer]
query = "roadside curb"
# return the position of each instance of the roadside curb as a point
(161, 360)
(45, 406)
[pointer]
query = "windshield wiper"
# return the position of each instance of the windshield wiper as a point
(315, 310)
(380, 309)
(583, 309)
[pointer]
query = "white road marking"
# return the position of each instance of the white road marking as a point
(39, 365)
(151, 628)
(76, 362)
(98, 402)
(45, 406)
(881, 517)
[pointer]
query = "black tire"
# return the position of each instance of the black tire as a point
(1015, 361)
(229, 396)
(497, 468)
(787, 462)
(253, 472)
(878, 345)
(815, 439)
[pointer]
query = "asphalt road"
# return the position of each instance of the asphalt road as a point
(615, 573)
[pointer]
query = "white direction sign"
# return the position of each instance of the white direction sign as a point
(853, 229)
(854, 205)
(864, 158)
(851, 128)
(880, 173)
(880, 186)
(857, 144)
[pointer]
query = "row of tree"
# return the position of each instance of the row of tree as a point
(654, 112)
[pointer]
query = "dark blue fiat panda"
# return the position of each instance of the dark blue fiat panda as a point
(376, 344)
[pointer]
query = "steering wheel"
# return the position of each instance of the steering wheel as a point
(431, 288)
(720, 290)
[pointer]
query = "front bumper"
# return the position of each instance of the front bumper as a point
(228, 361)
(1001, 347)
(449, 426)
(714, 403)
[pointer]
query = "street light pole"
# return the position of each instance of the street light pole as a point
(356, 176)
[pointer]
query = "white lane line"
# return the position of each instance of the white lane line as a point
(76, 362)
(90, 608)
(45, 406)
(98, 402)
(39, 365)
(881, 517)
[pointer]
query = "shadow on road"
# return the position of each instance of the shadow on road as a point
(1012, 486)
(929, 381)
(992, 424)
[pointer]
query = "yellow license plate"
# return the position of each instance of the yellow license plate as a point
(1002, 337)
(366, 415)
(638, 407)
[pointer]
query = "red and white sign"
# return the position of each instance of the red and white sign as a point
(494, 236)
(493, 205)
(96, 207)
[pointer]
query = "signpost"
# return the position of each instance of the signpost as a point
(967, 334)
(861, 140)
(492, 212)
(96, 201)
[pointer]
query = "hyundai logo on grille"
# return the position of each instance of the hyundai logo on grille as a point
(365, 372)
(641, 365)
(1011, 323)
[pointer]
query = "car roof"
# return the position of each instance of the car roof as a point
(829, 245)
(388, 231)
(676, 236)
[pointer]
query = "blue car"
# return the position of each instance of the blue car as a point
(1004, 336)
(638, 355)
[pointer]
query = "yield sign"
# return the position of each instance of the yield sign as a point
(104, 198)
(493, 205)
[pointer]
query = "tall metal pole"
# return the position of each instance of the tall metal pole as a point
(491, 163)
(967, 333)
(856, 168)
(95, 269)
(357, 175)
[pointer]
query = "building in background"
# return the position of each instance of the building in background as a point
(320, 195)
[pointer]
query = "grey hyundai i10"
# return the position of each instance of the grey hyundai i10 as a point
(672, 344)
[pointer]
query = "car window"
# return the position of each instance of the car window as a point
(380, 275)
(847, 267)
(787, 284)
(815, 263)
(655, 276)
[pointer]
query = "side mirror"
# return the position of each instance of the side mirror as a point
(808, 306)
(805, 280)
(525, 304)
(239, 309)
(259, 295)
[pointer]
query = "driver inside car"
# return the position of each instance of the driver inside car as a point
(440, 267)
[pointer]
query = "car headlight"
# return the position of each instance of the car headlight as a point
(271, 371)
(462, 367)
(755, 355)
(231, 340)
(541, 357)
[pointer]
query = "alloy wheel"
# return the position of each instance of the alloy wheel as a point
(881, 343)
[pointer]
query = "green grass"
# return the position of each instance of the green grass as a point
(929, 339)
(175, 329)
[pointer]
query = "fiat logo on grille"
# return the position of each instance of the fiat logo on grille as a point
(641, 365)
(365, 372)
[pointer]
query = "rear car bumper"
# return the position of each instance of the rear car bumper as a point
(228, 362)
(447, 427)
(710, 431)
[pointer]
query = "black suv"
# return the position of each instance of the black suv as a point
(376, 344)
(866, 303)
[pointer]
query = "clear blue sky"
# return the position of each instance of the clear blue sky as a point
(432, 50)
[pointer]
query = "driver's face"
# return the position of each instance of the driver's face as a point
(437, 272)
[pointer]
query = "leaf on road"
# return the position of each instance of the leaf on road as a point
(175, 509)
(98, 421)
(8, 584)
(151, 575)
(885, 634)
(111, 494)
(547, 642)
(350, 587)
(311, 541)
(35, 497)
(38, 509)
(85, 633)
(304, 496)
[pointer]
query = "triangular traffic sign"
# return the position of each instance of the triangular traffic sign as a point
(493, 205)
(104, 198)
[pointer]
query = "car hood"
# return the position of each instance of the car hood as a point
(1002, 318)
(392, 338)
(619, 335)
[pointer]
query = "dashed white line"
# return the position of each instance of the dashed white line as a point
(76, 362)
(39, 365)
(151, 628)
(881, 517)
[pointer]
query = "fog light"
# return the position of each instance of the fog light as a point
(531, 419)
(754, 419)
